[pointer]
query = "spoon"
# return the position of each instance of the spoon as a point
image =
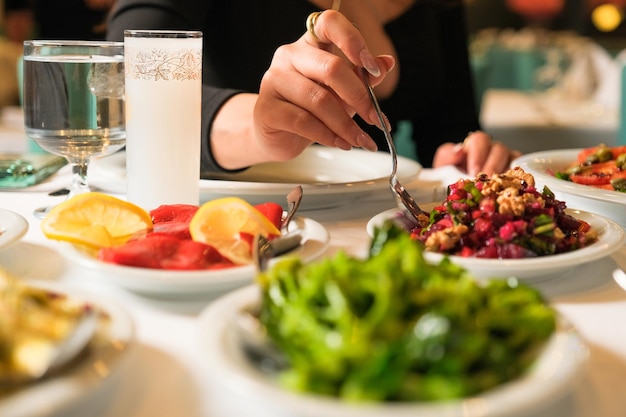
(251, 331)
(402, 196)
(293, 203)
(67, 350)
(256, 343)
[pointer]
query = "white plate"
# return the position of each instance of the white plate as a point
(330, 177)
(162, 282)
(611, 237)
(241, 383)
(107, 353)
(12, 227)
(543, 165)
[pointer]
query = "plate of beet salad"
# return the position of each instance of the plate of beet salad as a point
(504, 225)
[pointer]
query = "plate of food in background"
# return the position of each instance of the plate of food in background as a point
(36, 317)
(589, 179)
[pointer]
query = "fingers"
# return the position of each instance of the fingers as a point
(292, 104)
(311, 108)
(332, 30)
(316, 82)
(450, 154)
(332, 27)
(486, 155)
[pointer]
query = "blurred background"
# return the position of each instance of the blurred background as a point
(541, 67)
(43, 19)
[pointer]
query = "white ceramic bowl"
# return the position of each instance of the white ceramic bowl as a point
(543, 165)
(611, 238)
(160, 282)
(241, 389)
(12, 227)
(329, 177)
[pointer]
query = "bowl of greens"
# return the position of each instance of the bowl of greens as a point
(393, 335)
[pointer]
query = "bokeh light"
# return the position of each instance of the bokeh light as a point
(607, 17)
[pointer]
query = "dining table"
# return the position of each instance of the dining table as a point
(165, 372)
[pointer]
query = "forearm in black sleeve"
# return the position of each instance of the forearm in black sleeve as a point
(155, 14)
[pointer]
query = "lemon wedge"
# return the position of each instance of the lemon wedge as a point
(221, 222)
(96, 220)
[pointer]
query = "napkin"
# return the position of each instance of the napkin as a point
(593, 74)
(608, 76)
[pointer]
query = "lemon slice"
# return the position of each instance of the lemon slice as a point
(96, 220)
(220, 222)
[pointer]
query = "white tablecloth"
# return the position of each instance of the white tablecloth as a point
(166, 378)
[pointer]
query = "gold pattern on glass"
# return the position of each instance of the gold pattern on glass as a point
(158, 64)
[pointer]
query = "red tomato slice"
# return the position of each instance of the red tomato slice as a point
(618, 150)
(582, 156)
(591, 179)
(615, 150)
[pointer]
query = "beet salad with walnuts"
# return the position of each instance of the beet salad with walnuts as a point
(502, 216)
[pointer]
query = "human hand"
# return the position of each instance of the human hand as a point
(313, 89)
(477, 153)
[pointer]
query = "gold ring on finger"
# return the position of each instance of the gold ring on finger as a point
(310, 25)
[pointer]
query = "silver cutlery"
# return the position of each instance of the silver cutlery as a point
(264, 250)
(251, 332)
(293, 203)
(401, 195)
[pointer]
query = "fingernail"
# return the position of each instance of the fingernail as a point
(369, 63)
(366, 142)
(341, 144)
(390, 59)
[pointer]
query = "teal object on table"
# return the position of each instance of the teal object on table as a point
(506, 68)
(24, 170)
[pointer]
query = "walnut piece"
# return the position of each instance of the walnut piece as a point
(445, 239)
(514, 178)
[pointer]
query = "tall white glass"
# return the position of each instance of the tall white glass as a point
(163, 110)
(73, 99)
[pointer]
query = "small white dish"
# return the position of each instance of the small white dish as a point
(543, 165)
(611, 237)
(12, 227)
(249, 391)
(89, 375)
(329, 177)
(161, 282)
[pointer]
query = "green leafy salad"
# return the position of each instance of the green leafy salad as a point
(394, 327)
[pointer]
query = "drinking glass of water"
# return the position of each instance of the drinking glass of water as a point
(74, 102)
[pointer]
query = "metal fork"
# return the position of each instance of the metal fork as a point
(402, 196)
